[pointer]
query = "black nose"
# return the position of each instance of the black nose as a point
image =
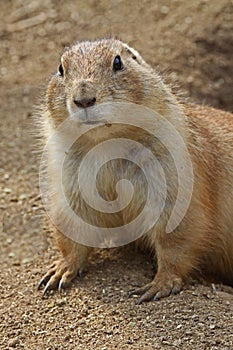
(85, 102)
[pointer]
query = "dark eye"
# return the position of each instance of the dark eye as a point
(117, 64)
(61, 70)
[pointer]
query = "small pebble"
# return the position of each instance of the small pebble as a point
(7, 190)
(13, 342)
(164, 10)
(60, 302)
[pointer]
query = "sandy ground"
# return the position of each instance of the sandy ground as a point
(192, 43)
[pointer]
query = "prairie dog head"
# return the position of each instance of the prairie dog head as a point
(95, 72)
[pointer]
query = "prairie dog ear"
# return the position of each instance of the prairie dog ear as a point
(134, 54)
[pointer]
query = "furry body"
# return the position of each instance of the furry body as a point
(203, 241)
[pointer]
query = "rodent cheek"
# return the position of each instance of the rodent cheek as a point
(56, 100)
(69, 91)
(137, 88)
(129, 88)
(70, 105)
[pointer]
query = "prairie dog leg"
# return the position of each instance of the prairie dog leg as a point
(174, 267)
(64, 270)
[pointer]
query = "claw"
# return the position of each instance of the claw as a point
(157, 289)
(140, 291)
(80, 273)
(46, 289)
(176, 289)
(159, 295)
(147, 296)
(131, 293)
(61, 286)
(140, 301)
(43, 281)
(144, 292)
(40, 284)
(59, 276)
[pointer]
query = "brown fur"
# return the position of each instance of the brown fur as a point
(203, 242)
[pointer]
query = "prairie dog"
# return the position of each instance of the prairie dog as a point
(103, 71)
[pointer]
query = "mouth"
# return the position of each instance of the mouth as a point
(92, 122)
(88, 116)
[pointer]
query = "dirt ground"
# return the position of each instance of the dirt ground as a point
(192, 43)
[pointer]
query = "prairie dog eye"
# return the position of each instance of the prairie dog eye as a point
(61, 70)
(117, 63)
